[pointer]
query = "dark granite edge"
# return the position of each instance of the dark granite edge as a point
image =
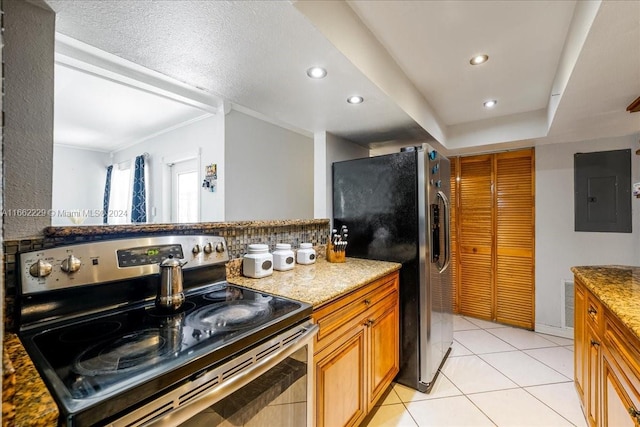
(155, 228)
(31, 394)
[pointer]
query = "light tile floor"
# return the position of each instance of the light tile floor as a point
(495, 376)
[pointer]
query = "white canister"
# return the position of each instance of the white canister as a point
(306, 254)
(258, 262)
(283, 257)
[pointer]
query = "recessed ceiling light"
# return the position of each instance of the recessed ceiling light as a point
(316, 72)
(355, 99)
(479, 59)
(490, 104)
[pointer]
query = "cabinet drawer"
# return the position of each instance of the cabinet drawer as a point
(625, 350)
(595, 313)
(339, 316)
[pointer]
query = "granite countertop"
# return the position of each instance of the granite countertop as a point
(319, 283)
(34, 406)
(618, 288)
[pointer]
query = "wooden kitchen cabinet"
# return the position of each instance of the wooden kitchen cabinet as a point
(340, 374)
(592, 390)
(607, 364)
(579, 337)
(356, 352)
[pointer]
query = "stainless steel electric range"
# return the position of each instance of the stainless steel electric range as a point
(109, 356)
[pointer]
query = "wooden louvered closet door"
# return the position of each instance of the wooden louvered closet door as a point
(493, 228)
(475, 245)
(515, 230)
(454, 265)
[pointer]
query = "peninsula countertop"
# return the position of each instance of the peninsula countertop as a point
(618, 288)
(319, 283)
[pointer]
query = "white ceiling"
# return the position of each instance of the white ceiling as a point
(100, 114)
(435, 53)
(560, 70)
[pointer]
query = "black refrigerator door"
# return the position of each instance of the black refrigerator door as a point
(376, 198)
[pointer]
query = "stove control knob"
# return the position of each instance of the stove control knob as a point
(40, 269)
(220, 248)
(71, 264)
(196, 249)
(208, 248)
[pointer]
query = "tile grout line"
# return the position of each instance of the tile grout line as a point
(528, 355)
(481, 411)
(562, 416)
(518, 386)
(550, 346)
(523, 350)
(550, 367)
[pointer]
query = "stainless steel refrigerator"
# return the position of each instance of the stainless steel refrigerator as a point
(396, 208)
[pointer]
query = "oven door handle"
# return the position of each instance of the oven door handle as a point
(184, 412)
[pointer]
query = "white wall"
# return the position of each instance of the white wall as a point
(338, 150)
(558, 246)
(78, 183)
(28, 121)
(204, 138)
(269, 171)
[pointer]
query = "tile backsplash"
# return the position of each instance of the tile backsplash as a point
(237, 234)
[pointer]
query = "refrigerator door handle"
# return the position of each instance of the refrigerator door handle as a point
(447, 230)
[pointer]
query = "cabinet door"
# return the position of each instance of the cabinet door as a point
(383, 350)
(580, 345)
(340, 376)
(592, 392)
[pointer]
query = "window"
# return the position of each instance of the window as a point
(185, 191)
(120, 196)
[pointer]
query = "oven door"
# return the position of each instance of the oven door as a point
(270, 384)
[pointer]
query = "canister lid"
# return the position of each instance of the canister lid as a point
(306, 246)
(283, 246)
(258, 248)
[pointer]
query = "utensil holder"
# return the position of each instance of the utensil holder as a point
(333, 255)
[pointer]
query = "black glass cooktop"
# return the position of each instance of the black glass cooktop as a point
(143, 349)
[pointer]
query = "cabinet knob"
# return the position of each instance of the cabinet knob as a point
(634, 414)
(595, 343)
(367, 302)
(592, 310)
(369, 322)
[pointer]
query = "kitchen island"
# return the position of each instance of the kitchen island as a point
(607, 344)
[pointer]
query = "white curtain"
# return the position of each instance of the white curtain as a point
(121, 192)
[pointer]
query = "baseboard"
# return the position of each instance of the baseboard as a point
(555, 331)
